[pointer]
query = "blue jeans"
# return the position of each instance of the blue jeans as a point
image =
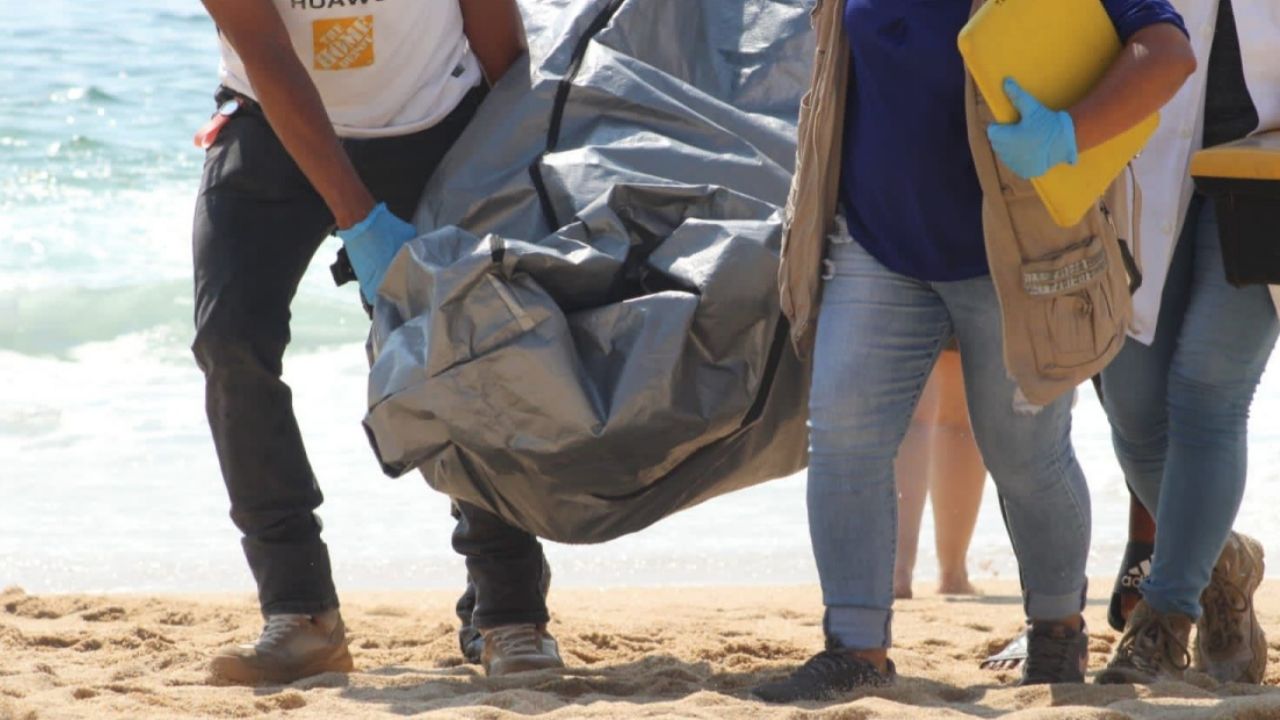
(1179, 411)
(879, 334)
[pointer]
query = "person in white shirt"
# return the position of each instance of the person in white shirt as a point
(332, 116)
(1178, 395)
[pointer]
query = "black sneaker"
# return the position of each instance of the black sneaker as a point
(824, 676)
(1056, 653)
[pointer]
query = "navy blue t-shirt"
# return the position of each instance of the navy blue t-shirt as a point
(908, 185)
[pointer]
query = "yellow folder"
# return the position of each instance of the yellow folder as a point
(1254, 158)
(1243, 178)
(1057, 50)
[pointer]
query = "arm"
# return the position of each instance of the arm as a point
(1149, 70)
(496, 34)
(1146, 75)
(292, 104)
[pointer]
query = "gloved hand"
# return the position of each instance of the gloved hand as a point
(1040, 140)
(372, 244)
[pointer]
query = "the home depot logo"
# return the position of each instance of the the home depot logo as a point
(343, 43)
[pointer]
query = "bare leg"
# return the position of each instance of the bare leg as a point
(911, 469)
(956, 477)
(1142, 527)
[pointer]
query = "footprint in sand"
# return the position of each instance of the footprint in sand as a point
(111, 613)
(387, 611)
(283, 701)
(584, 657)
(89, 645)
(16, 602)
(178, 619)
(600, 640)
(56, 642)
(759, 649)
(10, 711)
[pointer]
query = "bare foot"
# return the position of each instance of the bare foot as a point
(957, 586)
(902, 588)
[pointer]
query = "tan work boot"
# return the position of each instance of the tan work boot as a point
(512, 649)
(291, 647)
(1153, 648)
(1230, 644)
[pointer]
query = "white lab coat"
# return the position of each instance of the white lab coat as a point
(1163, 169)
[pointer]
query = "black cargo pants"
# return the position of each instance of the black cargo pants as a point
(258, 223)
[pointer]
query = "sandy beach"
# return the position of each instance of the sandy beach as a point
(670, 652)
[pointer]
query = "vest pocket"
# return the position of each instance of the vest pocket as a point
(1068, 289)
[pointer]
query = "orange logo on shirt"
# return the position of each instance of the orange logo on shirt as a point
(343, 43)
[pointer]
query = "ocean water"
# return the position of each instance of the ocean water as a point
(108, 480)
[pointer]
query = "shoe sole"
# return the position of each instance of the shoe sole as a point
(1256, 670)
(235, 670)
(1111, 676)
(512, 667)
(765, 697)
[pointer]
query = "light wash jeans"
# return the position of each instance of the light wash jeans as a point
(1179, 411)
(879, 334)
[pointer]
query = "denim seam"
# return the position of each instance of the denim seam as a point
(915, 401)
(1059, 470)
(944, 330)
(935, 352)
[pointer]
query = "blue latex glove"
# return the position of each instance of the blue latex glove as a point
(372, 244)
(1040, 140)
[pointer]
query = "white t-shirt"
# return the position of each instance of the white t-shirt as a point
(383, 67)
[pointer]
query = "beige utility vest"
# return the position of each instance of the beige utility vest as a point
(1064, 292)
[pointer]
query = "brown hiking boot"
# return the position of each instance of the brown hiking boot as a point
(1153, 648)
(1230, 644)
(510, 649)
(290, 648)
